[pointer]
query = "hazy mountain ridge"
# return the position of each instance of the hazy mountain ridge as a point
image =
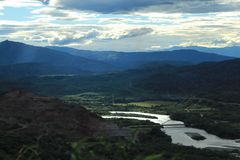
(136, 59)
(233, 51)
(17, 53)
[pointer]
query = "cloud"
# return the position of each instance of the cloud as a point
(210, 30)
(169, 6)
(81, 39)
(98, 35)
(50, 13)
(5, 31)
(136, 33)
(19, 3)
(145, 26)
(225, 41)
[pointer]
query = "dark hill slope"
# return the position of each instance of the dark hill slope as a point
(15, 71)
(207, 75)
(33, 127)
(28, 115)
(217, 80)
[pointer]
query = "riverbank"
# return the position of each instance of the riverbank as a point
(212, 116)
(151, 143)
(179, 133)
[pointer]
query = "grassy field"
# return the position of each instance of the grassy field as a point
(87, 98)
(146, 103)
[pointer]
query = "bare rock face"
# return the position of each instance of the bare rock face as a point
(24, 114)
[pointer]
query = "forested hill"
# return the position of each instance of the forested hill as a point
(217, 80)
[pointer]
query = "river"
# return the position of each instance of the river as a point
(179, 133)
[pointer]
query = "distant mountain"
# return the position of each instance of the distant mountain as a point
(98, 55)
(21, 60)
(12, 53)
(136, 59)
(227, 51)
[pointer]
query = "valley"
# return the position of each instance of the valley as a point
(119, 80)
(199, 101)
(212, 116)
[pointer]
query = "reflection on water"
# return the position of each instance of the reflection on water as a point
(177, 131)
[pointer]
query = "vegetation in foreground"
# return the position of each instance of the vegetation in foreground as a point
(148, 143)
(43, 137)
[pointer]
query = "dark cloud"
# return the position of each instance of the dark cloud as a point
(6, 31)
(108, 6)
(44, 1)
(170, 6)
(137, 32)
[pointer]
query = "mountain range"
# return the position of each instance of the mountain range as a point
(215, 80)
(12, 53)
(129, 60)
(233, 51)
(22, 60)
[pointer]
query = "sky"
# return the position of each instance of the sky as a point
(121, 25)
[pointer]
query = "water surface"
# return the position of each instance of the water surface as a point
(177, 131)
